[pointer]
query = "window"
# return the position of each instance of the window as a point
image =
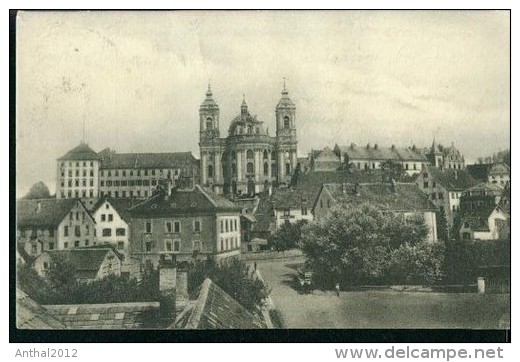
(454, 208)
(235, 222)
(227, 244)
(84, 193)
(210, 171)
(87, 242)
(71, 216)
(91, 173)
(153, 172)
(176, 246)
(168, 245)
(70, 183)
(116, 195)
(91, 183)
(287, 212)
(120, 245)
(425, 184)
(227, 225)
(233, 169)
(176, 226)
(328, 203)
(84, 173)
(146, 172)
(304, 210)
(434, 196)
(77, 215)
(77, 230)
(221, 243)
(209, 123)
(87, 229)
(286, 122)
(124, 173)
(66, 245)
(70, 173)
(196, 226)
(287, 168)
(196, 245)
(266, 155)
(91, 193)
(148, 227)
(106, 232)
(466, 236)
(249, 154)
(51, 233)
(440, 196)
(34, 248)
(221, 226)
(116, 173)
(250, 167)
(434, 184)
(76, 244)
(51, 246)
(120, 232)
(266, 169)
(425, 175)
(168, 226)
(65, 231)
(103, 217)
(148, 246)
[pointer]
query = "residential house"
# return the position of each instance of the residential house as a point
(291, 206)
(324, 160)
(372, 157)
(112, 219)
(444, 188)
(90, 263)
(485, 223)
(49, 224)
(495, 173)
(398, 198)
(445, 157)
(186, 223)
(481, 195)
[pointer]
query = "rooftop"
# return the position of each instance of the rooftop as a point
(42, 212)
(32, 315)
(84, 259)
(113, 160)
(382, 153)
(81, 152)
(451, 179)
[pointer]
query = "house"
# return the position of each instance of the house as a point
(484, 194)
(112, 219)
(291, 206)
(372, 157)
(445, 157)
(215, 309)
(485, 223)
(54, 224)
(186, 223)
(444, 188)
(401, 198)
(495, 173)
(90, 263)
(324, 160)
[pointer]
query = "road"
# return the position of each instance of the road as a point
(377, 309)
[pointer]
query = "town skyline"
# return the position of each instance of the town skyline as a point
(353, 87)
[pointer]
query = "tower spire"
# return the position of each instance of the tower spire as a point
(284, 91)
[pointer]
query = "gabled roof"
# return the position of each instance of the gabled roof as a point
(195, 200)
(32, 315)
(487, 187)
(82, 152)
(51, 212)
(112, 160)
(84, 259)
(481, 171)
(452, 180)
(387, 197)
(478, 219)
(122, 206)
(215, 309)
(103, 316)
(382, 153)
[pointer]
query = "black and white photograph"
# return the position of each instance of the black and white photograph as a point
(263, 170)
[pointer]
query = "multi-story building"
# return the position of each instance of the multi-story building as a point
(291, 206)
(85, 174)
(324, 160)
(398, 198)
(187, 224)
(485, 223)
(445, 157)
(54, 224)
(495, 173)
(444, 188)
(78, 174)
(482, 195)
(112, 218)
(372, 157)
(249, 160)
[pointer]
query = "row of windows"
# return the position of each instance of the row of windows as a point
(77, 244)
(116, 173)
(106, 232)
(250, 169)
(124, 194)
(171, 245)
(228, 225)
(435, 196)
(77, 193)
(173, 227)
(426, 184)
(77, 230)
(78, 164)
(228, 243)
(107, 217)
(76, 183)
(34, 232)
(110, 183)
(77, 173)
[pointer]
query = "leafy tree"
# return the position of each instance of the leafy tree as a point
(288, 236)
(354, 245)
(392, 170)
(442, 226)
(38, 191)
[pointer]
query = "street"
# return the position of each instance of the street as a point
(378, 309)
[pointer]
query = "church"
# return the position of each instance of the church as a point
(248, 161)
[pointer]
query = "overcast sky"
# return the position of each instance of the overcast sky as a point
(136, 79)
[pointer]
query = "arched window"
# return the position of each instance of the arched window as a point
(273, 155)
(233, 155)
(250, 167)
(286, 122)
(266, 155)
(274, 170)
(287, 168)
(210, 171)
(266, 169)
(250, 155)
(209, 123)
(233, 169)
(249, 129)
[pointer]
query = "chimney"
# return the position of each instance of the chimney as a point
(375, 146)
(167, 290)
(368, 146)
(352, 145)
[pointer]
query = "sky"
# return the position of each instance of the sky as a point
(133, 81)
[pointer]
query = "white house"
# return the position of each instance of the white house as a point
(291, 206)
(112, 219)
(489, 223)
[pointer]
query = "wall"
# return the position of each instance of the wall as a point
(111, 265)
(80, 218)
(117, 222)
(82, 171)
(295, 215)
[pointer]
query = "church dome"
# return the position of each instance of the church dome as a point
(285, 101)
(245, 123)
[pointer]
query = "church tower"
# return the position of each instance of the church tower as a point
(286, 141)
(210, 144)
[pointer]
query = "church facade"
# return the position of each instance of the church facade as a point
(248, 161)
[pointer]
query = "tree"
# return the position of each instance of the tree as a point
(354, 245)
(442, 226)
(38, 191)
(288, 236)
(392, 170)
